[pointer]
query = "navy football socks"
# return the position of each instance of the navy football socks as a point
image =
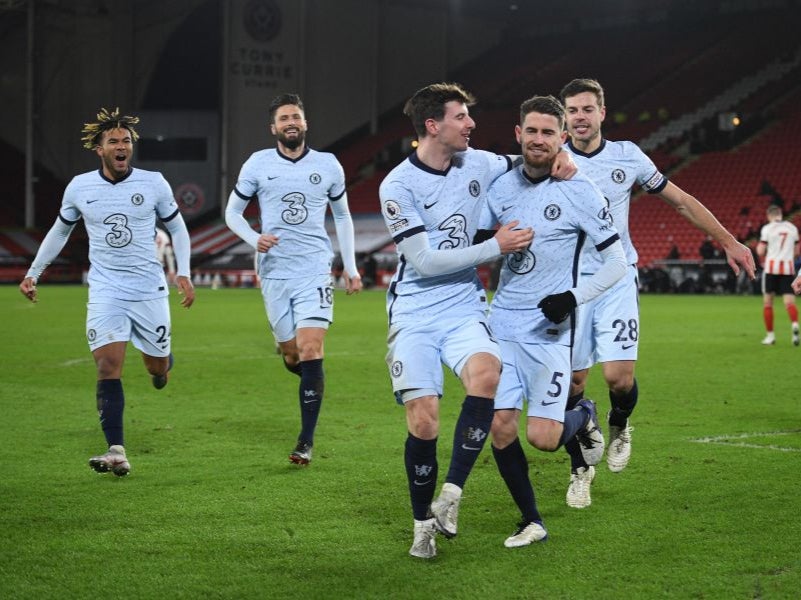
(420, 457)
(472, 429)
(513, 467)
(310, 392)
(622, 406)
(110, 406)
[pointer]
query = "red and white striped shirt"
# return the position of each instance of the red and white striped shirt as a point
(781, 238)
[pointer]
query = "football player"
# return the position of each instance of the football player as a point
(431, 204)
(294, 185)
(609, 326)
(128, 293)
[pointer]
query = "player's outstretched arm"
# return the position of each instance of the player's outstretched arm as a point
(737, 255)
(797, 285)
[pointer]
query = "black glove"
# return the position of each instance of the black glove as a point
(557, 307)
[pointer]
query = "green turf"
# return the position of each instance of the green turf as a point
(708, 508)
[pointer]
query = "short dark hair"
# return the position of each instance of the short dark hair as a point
(429, 103)
(283, 100)
(579, 86)
(547, 105)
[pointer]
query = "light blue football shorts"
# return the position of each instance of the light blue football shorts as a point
(537, 373)
(296, 303)
(608, 327)
(145, 323)
(417, 352)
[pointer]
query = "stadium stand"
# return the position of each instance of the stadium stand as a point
(653, 85)
(730, 184)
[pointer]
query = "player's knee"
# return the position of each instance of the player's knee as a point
(544, 434)
(157, 365)
(423, 418)
(107, 368)
(621, 384)
(426, 431)
(424, 426)
(480, 375)
(577, 382)
(487, 387)
(105, 372)
(504, 428)
(292, 364)
(543, 442)
(309, 351)
(483, 382)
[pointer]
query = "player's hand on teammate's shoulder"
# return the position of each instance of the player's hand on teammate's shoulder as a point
(563, 166)
(186, 289)
(510, 239)
(28, 288)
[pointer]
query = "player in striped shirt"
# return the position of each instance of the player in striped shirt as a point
(128, 294)
(778, 247)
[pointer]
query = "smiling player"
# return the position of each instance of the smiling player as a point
(294, 185)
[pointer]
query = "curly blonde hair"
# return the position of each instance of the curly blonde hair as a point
(107, 120)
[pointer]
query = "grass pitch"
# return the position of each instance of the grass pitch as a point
(708, 507)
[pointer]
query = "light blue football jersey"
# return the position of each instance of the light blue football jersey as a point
(566, 215)
(615, 167)
(120, 218)
(293, 196)
(447, 206)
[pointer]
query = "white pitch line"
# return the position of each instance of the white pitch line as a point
(723, 440)
(75, 361)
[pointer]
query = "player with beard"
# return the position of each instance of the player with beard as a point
(533, 313)
(128, 294)
(436, 304)
(294, 185)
